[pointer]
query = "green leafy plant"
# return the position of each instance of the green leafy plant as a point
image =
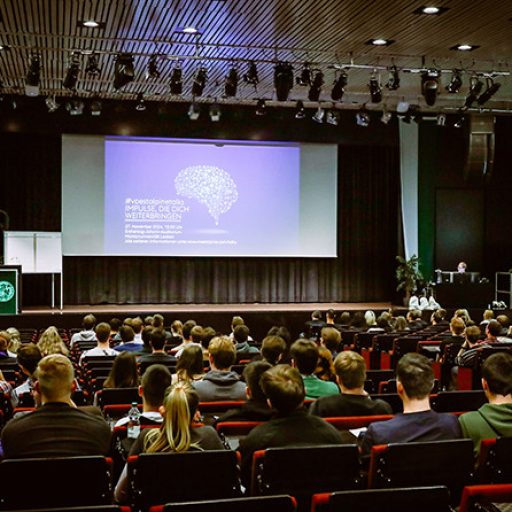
(408, 274)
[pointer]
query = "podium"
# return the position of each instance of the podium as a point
(10, 289)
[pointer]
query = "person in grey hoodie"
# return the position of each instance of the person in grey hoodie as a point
(241, 337)
(495, 418)
(87, 333)
(220, 383)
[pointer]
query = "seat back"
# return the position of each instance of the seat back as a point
(476, 497)
(108, 396)
(82, 481)
(392, 399)
(157, 478)
(495, 463)
(454, 401)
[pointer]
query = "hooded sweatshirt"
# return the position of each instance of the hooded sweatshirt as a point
(489, 422)
(220, 386)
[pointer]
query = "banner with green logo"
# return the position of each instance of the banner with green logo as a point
(10, 289)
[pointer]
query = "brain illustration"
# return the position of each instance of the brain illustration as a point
(209, 185)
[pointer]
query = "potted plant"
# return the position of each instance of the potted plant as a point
(408, 275)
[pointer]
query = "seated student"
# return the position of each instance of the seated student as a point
(439, 317)
(330, 338)
(187, 336)
(273, 348)
(196, 338)
(5, 357)
(102, 349)
(495, 418)
(176, 433)
(457, 328)
(325, 367)
(241, 338)
(128, 342)
(87, 333)
(57, 428)
(487, 316)
(28, 358)
(468, 355)
(159, 355)
(256, 408)
(220, 383)
(284, 389)
(50, 343)
(415, 379)
(190, 367)
(305, 358)
(315, 325)
(158, 323)
(123, 373)
(354, 400)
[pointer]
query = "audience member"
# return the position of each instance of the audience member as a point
(5, 387)
(358, 321)
(273, 348)
(123, 373)
(87, 333)
(5, 339)
(315, 325)
(439, 317)
(115, 325)
(370, 320)
(241, 338)
(331, 340)
(128, 341)
(102, 349)
(176, 333)
(159, 355)
(305, 358)
(486, 317)
(146, 336)
(190, 366)
(354, 400)
(325, 368)
(345, 319)
(457, 328)
(415, 379)
(15, 341)
(504, 321)
(401, 324)
(464, 314)
(220, 383)
(187, 337)
(158, 323)
(208, 334)
(468, 352)
(137, 325)
(57, 428)
(50, 343)
(196, 338)
(28, 358)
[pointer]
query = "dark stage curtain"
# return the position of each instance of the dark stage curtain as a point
(368, 211)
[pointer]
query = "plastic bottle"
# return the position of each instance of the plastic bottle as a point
(133, 422)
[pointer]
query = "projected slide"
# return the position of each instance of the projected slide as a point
(174, 197)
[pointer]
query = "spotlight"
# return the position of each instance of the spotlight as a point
(300, 113)
(333, 117)
(95, 108)
(141, 104)
(492, 88)
(199, 82)
(375, 89)
(459, 122)
(33, 78)
(393, 82)
(261, 108)
(231, 83)
(92, 68)
(316, 86)
(152, 70)
(251, 77)
(71, 77)
(51, 104)
(75, 107)
(124, 72)
(403, 107)
(363, 118)
(475, 87)
(338, 88)
(430, 85)
(386, 116)
(455, 83)
(441, 120)
(304, 79)
(283, 80)
(176, 82)
(194, 111)
(319, 115)
(215, 113)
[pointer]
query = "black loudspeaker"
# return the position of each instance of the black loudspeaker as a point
(480, 150)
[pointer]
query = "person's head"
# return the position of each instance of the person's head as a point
(126, 333)
(50, 342)
(457, 326)
(5, 339)
(464, 314)
(415, 376)
(252, 375)
(241, 333)
(345, 318)
(156, 379)
(438, 316)
(88, 322)
(187, 328)
(146, 336)
(222, 353)
(316, 315)
(350, 370)
(208, 334)
(123, 373)
(148, 320)
(190, 362)
(137, 325)
(493, 329)
(504, 321)
(488, 314)
(497, 374)
(177, 328)
(384, 321)
(462, 266)
(15, 341)
(324, 369)
(284, 388)
(272, 349)
(330, 315)
(401, 323)
(102, 331)
(282, 331)
(115, 324)
(472, 334)
(157, 339)
(305, 356)
(331, 338)
(236, 321)
(28, 358)
(369, 318)
(178, 411)
(358, 320)
(196, 334)
(158, 321)
(128, 321)
(55, 378)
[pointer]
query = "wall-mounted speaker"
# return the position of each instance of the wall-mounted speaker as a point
(480, 150)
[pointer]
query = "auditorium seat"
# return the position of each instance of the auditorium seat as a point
(477, 498)
(351, 422)
(98, 508)
(211, 410)
(417, 499)
(495, 461)
(456, 401)
(80, 481)
(281, 503)
(392, 399)
(109, 396)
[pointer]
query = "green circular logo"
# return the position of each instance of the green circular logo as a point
(6, 291)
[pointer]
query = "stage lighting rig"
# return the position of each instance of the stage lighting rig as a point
(375, 88)
(251, 77)
(176, 81)
(316, 86)
(492, 88)
(363, 118)
(304, 79)
(92, 68)
(152, 70)
(430, 85)
(124, 71)
(231, 83)
(338, 88)
(71, 78)
(475, 88)
(455, 82)
(300, 112)
(283, 80)
(393, 82)
(33, 78)
(199, 82)
(261, 108)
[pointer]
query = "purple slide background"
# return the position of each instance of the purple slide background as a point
(264, 220)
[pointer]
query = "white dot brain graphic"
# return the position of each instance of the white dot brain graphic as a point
(210, 185)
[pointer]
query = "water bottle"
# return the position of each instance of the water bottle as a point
(133, 422)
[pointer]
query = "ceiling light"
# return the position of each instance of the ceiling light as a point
(393, 82)
(33, 78)
(124, 72)
(215, 113)
(92, 68)
(441, 120)
(141, 104)
(190, 30)
(375, 88)
(75, 107)
(304, 79)
(176, 81)
(194, 111)
(475, 88)
(333, 117)
(455, 83)
(492, 88)
(386, 116)
(72, 72)
(459, 122)
(261, 108)
(152, 69)
(251, 77)
(430, 10)
(300, 113)
(51, 104)
(464, 47)
(95, 108)
(363, 118)
(231, 83)
(430, 85)
(91, 24)
(283, 80)
(319, 115)
(199, 82)
(338, 89)
(316, 86)
(380, 42)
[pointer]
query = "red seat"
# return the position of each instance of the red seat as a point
(474, 496)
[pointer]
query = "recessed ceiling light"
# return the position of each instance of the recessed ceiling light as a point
(430, 10)
(464, 47)
(190, 30)
(91, 24)
(380, 42)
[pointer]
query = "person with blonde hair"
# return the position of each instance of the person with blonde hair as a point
(177, 433)
(15, 342)
(50, 343)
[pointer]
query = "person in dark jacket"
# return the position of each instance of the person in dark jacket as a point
(241, 338)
